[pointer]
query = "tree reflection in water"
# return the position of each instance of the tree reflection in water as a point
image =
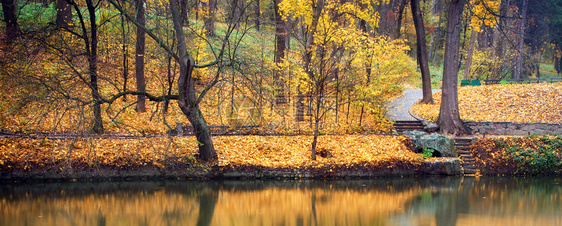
(385, 201)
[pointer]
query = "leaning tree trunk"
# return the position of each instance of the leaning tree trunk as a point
(186, 88)
(422, 52)
(449, 118)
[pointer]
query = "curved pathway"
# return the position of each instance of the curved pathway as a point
(399, 108)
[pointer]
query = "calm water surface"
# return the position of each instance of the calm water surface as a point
(399, 201)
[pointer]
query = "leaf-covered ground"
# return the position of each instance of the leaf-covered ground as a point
(179, 153)
(503, 103)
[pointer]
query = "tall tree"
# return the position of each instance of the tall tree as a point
(398, 26)
(280, 36)
(436, 39)
(188, 98)
(209, 18)
(89, 34)
(523, 23)
(139, 57)
(188, 101)
(258, 15)
(422, 52)
(64, 13)
(11, 20)
(449, 119)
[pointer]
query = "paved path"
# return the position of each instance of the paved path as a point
(398, 109)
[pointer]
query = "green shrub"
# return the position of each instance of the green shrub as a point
(544, 159)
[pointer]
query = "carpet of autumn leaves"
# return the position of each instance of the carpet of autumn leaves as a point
(519, 155)
(537, 103)
(287, 152)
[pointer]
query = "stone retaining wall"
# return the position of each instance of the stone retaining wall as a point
(515, 129)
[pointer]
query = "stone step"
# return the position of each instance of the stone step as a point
(468, 166)
(401, 126)
(463, 148)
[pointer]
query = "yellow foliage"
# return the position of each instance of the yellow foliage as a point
(484, 13)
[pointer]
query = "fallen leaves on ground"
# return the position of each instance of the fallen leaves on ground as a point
(291, 152)
(537, 103)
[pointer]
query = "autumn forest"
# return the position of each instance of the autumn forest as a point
(114, 74)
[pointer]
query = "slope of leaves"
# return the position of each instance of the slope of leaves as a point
(519, 155)
(289, 152)
(503, 103)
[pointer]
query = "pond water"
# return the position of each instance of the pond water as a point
(387, 201)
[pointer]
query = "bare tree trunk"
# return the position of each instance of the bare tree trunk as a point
(280, 35)
(422, 52)
(209, 18)
(11, 20)
(236, 12)
(64, 13)
(499, 36)
(183, 12)
(401, 8)
(519, 67)
(186, 88)
(139, 57)
(436, 39)
(557, 64)
(258, 15)
(449, 118)
(92, 52)
(316, 125)
(473, 37)
(125, 43)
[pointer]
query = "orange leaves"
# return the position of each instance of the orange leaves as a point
(294, 151)
(289, 152)
(508, 103)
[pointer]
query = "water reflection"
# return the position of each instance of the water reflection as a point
(406, 201)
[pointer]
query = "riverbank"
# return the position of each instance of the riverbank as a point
(262, 157)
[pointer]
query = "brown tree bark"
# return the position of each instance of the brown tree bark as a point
(422, 52)
(521, 36)
(64, 13)
(183, 11)
(92, 53)
(436, 39)
(139, 57)
(398, 26)
(187, 97)
(499, 36)
(258, 15)
(11, 20)
(210, 17)
(280, 35)
(449, 120)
